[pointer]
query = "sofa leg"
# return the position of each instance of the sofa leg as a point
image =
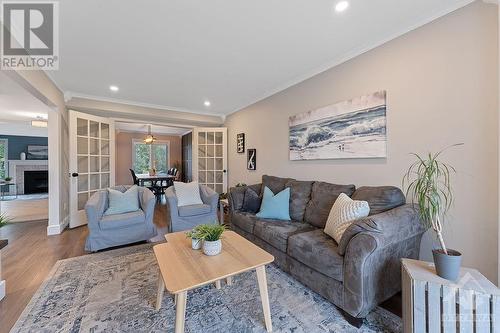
(356, 322)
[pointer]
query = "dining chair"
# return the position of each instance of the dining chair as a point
(134, 177)
(152, 187)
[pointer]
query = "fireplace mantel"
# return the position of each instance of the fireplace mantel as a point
(17, 168)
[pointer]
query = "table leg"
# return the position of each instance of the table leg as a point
(218, 284)
(180, 312)
(261, 278)
(229, 280)
(161, 290)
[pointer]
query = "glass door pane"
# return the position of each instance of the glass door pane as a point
(210, 154)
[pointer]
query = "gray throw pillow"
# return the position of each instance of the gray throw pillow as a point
(251, 201)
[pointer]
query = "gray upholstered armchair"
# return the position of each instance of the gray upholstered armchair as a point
(187, 217)
(120, 229)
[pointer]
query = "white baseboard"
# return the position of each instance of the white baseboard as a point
(2, 289)
(57, 229)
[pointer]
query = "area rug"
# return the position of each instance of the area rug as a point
(115, 291)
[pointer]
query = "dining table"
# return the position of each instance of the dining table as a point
(154, 179)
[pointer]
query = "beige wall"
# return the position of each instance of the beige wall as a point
(442, 88)
(124, 153)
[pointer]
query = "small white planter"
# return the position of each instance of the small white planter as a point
(195, 243)
(212, 248)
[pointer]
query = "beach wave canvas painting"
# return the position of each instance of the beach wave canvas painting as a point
(351, 129)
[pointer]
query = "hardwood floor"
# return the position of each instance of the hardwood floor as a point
(30, 256)
(26, 210)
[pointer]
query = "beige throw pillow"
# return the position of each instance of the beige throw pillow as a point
(343, 213)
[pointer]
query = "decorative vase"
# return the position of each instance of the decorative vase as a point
(212, 248)
(195, 243)
(23, 156)
(447, 265)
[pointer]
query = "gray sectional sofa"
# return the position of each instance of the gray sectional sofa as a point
(355, 275)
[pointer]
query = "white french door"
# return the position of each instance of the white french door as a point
(91, 160)
(210, 157)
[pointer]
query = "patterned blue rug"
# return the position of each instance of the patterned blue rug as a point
(115, 291)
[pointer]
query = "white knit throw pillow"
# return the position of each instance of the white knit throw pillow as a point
(343, 213)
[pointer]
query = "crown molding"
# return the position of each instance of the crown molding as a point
(70, 94)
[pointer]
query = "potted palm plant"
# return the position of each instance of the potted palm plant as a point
(428, 184)
(211, 235)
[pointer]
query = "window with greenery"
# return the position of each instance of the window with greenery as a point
(3, 158)
(145, 157)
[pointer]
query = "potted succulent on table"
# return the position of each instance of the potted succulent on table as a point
(211, 235)
(7, 179)
(428, 182)
(195, 238)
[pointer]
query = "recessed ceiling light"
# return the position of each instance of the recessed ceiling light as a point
(341, 6)
(207, 103)
(114, 88)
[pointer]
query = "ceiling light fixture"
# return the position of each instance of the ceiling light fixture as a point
(114, 88)
(149, 139)
(207, 103)
(341, 6)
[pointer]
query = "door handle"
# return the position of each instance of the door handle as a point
(74, 174)
(224, 170)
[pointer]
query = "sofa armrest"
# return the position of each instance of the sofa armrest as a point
(209, 197)
(374, 247)
(95, 208)
(147, 201)
(172, 201)
(393, 226)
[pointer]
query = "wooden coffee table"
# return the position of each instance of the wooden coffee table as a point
(183, 269)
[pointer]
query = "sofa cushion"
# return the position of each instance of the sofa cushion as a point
(318, 251)
(275, 206)
(276, 232)
(193, 210)
(323, 196)
(344, 212)
(300, 194)
(251, 201)
(244, 221)
(122, 202)
(117, 221)
(380, 198)
(275, 184)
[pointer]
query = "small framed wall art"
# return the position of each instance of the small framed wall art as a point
(252, 159)
(240, 143)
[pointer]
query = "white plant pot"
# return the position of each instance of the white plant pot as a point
(212, 248)
(195, 244)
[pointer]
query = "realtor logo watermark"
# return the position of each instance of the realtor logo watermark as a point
(30, 35)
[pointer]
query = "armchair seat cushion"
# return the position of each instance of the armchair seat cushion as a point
(118, 221)
(193, 210)
(318, 251)
(276, 232)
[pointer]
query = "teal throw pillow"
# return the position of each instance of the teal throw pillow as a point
(121, 203)
(275, 206)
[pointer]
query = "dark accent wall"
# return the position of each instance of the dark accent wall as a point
(187, 152)
(18, 144)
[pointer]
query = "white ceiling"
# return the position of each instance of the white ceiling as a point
(155, 129)
(177, 54)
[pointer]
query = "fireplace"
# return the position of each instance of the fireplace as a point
(36, 181)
